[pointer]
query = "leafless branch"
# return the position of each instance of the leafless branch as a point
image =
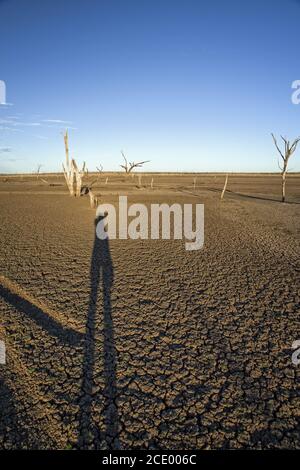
(129, 166)
(275, 142)
(289, 149)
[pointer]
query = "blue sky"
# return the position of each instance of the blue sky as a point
(190, 85)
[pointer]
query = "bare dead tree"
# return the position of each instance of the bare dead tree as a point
(88, 187)
(84, 169)
(78, 179)
(38, 174)
(289, 149)
(68, 168)
(38, 170)
(100, 171)
(129, 166)
(224, 188)
(73, 175)
(93, 197)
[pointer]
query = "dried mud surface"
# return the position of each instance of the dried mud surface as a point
(141, 344)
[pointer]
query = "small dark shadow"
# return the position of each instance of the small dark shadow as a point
(101, 279)
(54, 328)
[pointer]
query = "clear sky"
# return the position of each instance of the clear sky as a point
(190, 85)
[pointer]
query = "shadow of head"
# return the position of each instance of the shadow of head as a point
(100, 217)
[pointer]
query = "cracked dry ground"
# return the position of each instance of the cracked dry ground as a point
(179, 350)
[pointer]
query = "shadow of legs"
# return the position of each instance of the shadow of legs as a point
(89, 434)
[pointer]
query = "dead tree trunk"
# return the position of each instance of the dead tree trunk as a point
(289, 149)
(283, 186)
(78, 179)
(68, 168)
(139, 181)
(225, 186)
(93, 199)
(73, 175)
(38, 171)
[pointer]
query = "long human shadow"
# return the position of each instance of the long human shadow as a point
(101, 279)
